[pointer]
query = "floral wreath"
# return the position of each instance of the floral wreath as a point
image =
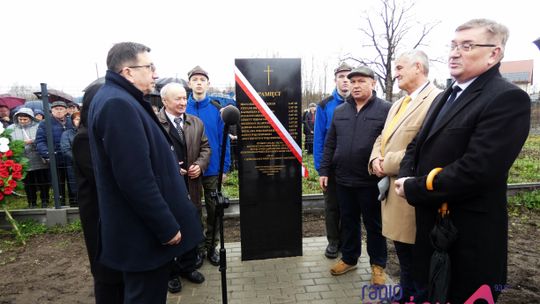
(12, 171)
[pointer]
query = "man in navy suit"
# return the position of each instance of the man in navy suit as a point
(474, 131)
(146, 218)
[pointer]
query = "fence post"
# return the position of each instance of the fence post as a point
(50, 145)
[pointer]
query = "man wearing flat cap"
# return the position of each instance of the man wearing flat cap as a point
(323, 119)
(355, 126)
(208, 110)
(59, 123)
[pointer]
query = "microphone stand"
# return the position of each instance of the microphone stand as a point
(222, 202)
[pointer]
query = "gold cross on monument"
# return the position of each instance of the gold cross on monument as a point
(268, 71)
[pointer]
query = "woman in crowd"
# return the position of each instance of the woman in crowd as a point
(37, 175)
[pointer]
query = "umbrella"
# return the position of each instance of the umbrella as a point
(11, 101)
(34, 104)
(99, 81)
(56, 95)
(442, 236)
(161, 82)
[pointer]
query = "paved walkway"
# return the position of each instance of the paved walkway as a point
(304, 279)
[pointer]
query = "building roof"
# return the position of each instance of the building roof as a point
(520, 71)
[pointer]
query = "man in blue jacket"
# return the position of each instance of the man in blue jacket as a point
(60, 122)
(208, 110)
(146, 218)
(323, 119)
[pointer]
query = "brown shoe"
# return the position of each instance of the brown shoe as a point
(341, 267)
(378, 277)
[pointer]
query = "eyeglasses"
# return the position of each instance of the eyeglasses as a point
(150, 66)
(467, 47)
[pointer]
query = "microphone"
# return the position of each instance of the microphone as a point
(230, 115)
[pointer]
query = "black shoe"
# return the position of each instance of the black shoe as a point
(174, 285)
(200, 260)
(194, 277)
(331, 251)
(213, 257)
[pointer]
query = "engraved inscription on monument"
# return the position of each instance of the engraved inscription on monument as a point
(269, 167)
(262, 142)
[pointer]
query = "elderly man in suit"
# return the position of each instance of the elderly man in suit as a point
(474, 132)
(146, 217)
(193, 153)
(403, 122)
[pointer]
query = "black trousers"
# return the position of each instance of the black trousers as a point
(356, 203)
(147, 286)
(37, 180)
(108, 293)
(332, 216)
(184, 264)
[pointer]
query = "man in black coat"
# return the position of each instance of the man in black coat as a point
(475, 139)
(146, 217)
(356, 124)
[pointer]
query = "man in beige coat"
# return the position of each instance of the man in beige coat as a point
(402, 124)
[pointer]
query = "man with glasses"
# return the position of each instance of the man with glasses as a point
(146, 217)
(474, 131)
(193, 151)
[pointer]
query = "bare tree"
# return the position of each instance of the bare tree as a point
(22, 91)
(385, 31)
(312, 90)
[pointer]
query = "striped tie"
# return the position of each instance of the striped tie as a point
(178, 122)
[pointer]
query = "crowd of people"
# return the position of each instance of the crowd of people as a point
(28, 125)
(141, 205)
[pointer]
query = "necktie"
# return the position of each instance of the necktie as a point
(178, 122)
(388, 130)
(447, 105)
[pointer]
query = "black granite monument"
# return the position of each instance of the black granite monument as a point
(268, 94)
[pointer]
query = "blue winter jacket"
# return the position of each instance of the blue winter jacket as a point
(213, 127)
(323, 120)
(66, 144)
(57, 129)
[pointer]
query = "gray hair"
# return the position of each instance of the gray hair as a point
(124, 53)
(417, 56)
(171, 85)
(495, 30)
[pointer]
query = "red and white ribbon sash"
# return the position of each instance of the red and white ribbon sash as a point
(270, 117)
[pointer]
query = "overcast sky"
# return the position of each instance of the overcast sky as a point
(64, 43)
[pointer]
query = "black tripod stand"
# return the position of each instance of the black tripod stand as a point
(230, 116)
